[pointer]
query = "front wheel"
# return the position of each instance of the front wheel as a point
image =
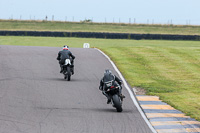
(117, 103)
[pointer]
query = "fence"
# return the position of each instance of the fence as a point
(101, 35)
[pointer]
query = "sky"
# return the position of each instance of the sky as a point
(123, 11)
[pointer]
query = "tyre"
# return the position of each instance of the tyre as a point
(68, 73)
(64, 73)
(117, 103)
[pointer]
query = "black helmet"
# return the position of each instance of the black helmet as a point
(107, 71)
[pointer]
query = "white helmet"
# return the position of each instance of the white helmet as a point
(65, 47)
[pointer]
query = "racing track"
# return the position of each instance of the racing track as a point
(34, 97)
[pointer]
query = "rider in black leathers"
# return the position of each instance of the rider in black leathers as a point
(63, 55)
(108, 76)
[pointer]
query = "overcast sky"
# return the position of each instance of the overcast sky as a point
(139, 11)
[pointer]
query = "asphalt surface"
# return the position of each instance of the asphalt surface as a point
(35, 98)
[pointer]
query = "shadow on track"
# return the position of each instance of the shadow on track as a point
(62, 79)
(97, 110)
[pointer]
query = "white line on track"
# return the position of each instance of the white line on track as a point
(130, 92)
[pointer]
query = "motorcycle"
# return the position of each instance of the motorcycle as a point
(67, 72)
(113, 92)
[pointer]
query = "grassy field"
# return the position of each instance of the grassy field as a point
(169, 69)
(98, 27)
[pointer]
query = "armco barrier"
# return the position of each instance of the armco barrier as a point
(101, 35)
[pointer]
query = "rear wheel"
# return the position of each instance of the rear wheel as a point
(64, 72)
(68, 73)
(117, 103)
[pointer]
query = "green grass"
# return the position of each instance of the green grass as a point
(169, 69)
(98, 27)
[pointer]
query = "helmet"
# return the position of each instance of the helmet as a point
(65, 47)
(107, 71)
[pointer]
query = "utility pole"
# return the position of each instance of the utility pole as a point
(46, 18)
(52, 17)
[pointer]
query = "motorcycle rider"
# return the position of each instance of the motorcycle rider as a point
(108, 76)
(63, 55)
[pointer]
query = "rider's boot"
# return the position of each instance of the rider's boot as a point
(109, 100)
(61, 69)
(72, 69)
(122, 96)
(108, 97)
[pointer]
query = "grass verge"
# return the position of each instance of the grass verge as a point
(98, 27)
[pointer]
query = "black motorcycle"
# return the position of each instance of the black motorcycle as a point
(67, 71)
(113, 91)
